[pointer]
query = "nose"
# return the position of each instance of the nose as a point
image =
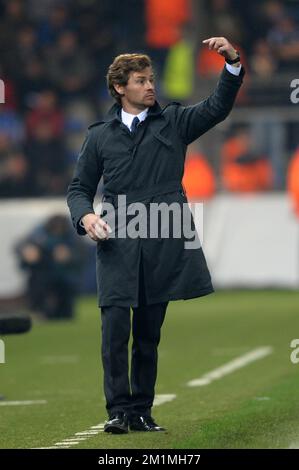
(150, 86)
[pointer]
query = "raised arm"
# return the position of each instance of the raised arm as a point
(193, 121)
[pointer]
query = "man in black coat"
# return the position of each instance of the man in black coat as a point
(140, 149)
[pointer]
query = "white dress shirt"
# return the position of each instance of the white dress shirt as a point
(232, 69)
(127, 118)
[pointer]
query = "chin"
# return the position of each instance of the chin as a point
(150, 101)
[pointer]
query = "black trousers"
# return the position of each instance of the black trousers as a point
(137, 394)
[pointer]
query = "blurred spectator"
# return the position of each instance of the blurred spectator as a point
(163, 26)
(178, 77)
(11, 124)
(243, 169)
(225, 20)
(53, 25)
(42, 10)
(46, 112)
(70, 67)
(262, 62)
(164, 20)
(47, 160)
(127, 30)
(199, 179)
(101, 29)
(21, 51)
(52, 256)
(14, 17)
(209, 64)
(14, 174)
(32, 81)
(78, 116)
(273, 10)
(284, 41)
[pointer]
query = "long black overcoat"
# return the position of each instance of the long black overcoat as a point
(147, 167)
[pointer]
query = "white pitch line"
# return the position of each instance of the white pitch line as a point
(161, 399)
(60, 447)
(21, 403)
(52, 447)
(66, 443)
(59, 359)
(77, 438)
(231, 366)
(87, 433)
(99, 428)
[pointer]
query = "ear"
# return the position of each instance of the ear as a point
(119, 89)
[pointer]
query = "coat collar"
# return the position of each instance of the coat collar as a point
(115, 112)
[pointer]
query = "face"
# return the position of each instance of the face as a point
(139, 92)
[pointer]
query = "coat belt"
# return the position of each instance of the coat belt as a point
(138, 195)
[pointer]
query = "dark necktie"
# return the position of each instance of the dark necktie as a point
(135, 123)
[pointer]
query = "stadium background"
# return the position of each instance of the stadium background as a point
(53, 60)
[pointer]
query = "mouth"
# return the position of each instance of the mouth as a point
(151, 95)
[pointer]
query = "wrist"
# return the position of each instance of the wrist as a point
(85, 217)
(234, 58)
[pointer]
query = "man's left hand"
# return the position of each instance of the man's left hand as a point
(222, 46)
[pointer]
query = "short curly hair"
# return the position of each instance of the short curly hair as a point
(119, 70)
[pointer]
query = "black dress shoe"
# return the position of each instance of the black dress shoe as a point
(144, 423)
(117, 424)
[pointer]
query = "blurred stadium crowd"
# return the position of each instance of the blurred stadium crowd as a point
(53, 60)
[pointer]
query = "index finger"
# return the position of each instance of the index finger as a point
(207, 40)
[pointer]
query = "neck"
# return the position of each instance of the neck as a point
(132, 109)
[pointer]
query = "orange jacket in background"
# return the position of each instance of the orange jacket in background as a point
(293, 181)
(199, 180)
(209, 62)
(164, 19)
(243, 177)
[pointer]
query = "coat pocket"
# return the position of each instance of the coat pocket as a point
(163, 140)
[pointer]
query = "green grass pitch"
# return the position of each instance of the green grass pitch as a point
(256, 406)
